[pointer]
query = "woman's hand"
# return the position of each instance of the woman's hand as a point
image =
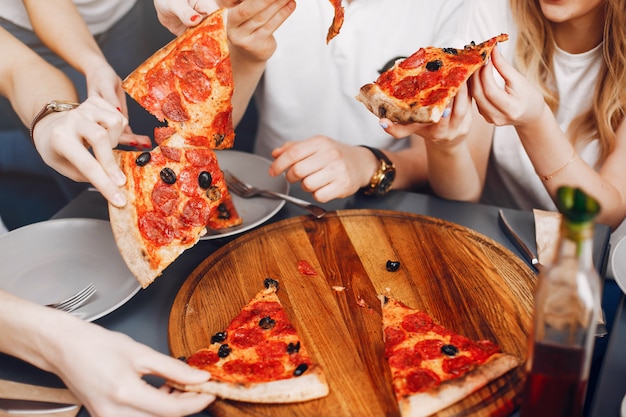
(517, 104)
(63, 139)
(327, 168)
(104, 369)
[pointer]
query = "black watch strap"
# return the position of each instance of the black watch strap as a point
(379, 154)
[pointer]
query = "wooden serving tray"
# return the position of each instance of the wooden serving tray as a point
(466, 281)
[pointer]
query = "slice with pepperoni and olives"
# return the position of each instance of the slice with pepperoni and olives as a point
(420, 87)
(189, 84)
(431, 366)
(259, 357)
(173, 192)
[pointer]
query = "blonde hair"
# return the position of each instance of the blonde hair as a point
(534, 51)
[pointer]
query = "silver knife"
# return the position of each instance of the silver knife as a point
(15, 406)
(518, 242)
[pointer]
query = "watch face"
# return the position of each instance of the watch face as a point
(386, 181)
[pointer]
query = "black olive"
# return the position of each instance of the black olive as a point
(270, 282)
(267, 322)
(300, 369)
(291, 348)
(143, 159)
(451, 51)
(222, 212)
(434, 65)
(449, 350)
(219, 337)
(223, 351)
(182, 358)
(205, 179)
(392, 266)
(168, 176)
(213, 193)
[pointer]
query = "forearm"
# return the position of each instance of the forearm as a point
(28, 81)
(452, 173)
(31, 332)
(75, 44)
(246, 77)
(557, 164)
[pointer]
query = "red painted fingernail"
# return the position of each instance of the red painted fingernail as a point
(195, 17)
(119, 109)
(134, 144)
(147, 145)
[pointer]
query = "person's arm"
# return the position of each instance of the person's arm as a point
(63, 138)
(104, 369)
(552, 154)
(60, 27)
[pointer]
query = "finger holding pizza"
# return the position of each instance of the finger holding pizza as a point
(64, 138)
(178, 15)
(517, 103)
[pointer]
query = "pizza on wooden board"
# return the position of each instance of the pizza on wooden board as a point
(433, 367)
(420, 87)
(259, 357)
(173, 193)
(189, 84)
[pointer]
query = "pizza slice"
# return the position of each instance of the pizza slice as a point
(335, 27)
(172, 194)
(420, 87)
(189, 84)
(259, 357)
(431, 366)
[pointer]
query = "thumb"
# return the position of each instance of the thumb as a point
(178, 371)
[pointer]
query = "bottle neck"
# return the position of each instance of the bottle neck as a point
(576, 243)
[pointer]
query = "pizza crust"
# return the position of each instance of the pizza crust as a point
(451, 391)
(398, 111)
(310, 386)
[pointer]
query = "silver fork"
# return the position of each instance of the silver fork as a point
(245, 190)
(73, 302)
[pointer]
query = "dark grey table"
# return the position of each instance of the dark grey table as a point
(146, 315)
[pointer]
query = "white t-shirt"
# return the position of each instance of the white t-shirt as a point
(309, 87)
(511, 179)
(99, 15)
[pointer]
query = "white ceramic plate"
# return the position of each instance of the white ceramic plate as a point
(48, 261)
(623, 412)
(618, 263)
(252, 169)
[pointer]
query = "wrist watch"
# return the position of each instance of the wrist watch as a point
(383, 177)
(51, 107)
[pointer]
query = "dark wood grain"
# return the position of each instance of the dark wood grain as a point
(466, 281)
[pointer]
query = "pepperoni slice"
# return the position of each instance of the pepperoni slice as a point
(420, 380)
(196, 212)
(207, 53)
(188, 181)
(184, 62)
(202, 141)
(414, 61)
(430, 348)
(172, 153)
(156, 228)
(224, 72)
(393, 337)
(271, 349)
(417, 322)
(195, 86)
(173, 109)
(247, 337)
(405, 358)
(203, 358)
(163, 133)
(457, 366)
(200, 157)
(268, 370)
(164, 198)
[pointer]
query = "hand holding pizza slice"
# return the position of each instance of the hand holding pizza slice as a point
(420, 87)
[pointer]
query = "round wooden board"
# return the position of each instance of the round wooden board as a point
(464, 280)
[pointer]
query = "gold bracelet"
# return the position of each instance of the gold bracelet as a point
(558, 171)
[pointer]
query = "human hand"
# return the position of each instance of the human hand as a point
(104, 369)
(327, 168)
(178, 15)
(518, 103)
(251, 27)
(451, 129)
(63, 140)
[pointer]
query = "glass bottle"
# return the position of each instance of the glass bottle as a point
(567, 305)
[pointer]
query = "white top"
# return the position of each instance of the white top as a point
(99, 15)
(511, 179)
(309, 87)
